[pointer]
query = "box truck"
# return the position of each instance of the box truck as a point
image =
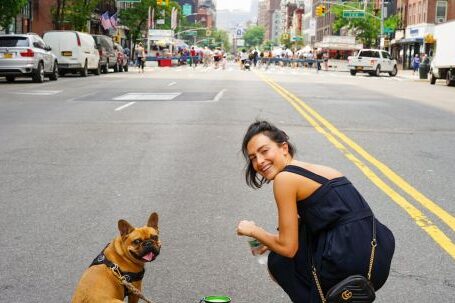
(443, 63)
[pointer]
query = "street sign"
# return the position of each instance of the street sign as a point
(186, 9)
(297, 38)
(353, 14)
(194, 33)
(129, 1)
(388, 30)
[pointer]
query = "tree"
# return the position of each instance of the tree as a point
(365, 29)
(78, 13)
(254, 36)
(9, 9)
(220, 38)
(135, 17)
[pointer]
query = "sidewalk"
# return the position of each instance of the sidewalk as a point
(407, 74)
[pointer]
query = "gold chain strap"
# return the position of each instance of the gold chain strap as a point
(318, 285)
(373, 249)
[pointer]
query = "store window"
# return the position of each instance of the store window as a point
(441, 11)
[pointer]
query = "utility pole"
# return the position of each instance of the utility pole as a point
(381, 39)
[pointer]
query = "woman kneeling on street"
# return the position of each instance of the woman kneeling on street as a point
(323, 221)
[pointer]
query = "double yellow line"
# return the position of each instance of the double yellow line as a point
(341, 141)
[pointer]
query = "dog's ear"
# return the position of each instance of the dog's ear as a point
(124, 227)
(153, 221)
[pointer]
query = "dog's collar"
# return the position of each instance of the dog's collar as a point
(129, 276)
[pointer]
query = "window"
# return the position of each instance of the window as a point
(441, 11)
(386, 55)
(11, 41)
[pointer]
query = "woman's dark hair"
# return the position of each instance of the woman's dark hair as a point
(276, 135)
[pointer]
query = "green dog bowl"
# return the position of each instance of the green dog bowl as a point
(216, 299)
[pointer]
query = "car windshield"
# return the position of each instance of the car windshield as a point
(13, 42)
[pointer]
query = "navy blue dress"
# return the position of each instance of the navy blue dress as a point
(336, 224)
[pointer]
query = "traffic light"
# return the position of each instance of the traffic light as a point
(167, 2)
(208, 33)
(323, 10)
(159, 2)
(319, 11)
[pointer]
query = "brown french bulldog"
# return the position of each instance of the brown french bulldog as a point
(130, 251)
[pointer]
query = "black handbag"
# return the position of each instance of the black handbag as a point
(353, 289)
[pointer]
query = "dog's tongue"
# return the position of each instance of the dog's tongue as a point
(148, 257)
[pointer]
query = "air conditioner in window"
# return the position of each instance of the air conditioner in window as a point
(441, 19)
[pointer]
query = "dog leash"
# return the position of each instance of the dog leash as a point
(116, 271)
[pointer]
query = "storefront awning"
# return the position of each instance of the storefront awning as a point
(408, 41)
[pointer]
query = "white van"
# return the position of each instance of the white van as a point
(76, 52)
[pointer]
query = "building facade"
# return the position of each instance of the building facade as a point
(417, 21)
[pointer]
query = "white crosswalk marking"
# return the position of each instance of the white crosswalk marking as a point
(39, 92)
(147, 96)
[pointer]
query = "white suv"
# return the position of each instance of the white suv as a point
(26, 55)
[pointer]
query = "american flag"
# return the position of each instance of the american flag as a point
(105, 21)
(114, 20)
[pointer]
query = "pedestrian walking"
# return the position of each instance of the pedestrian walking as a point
(193, 57)
(326, 230)
(415, 63)
(140, 57)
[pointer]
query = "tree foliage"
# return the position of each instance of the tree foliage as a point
(219, 38)
(254, 36)
(75, 13)
(9, 9)
(367, 29)
(79, 13)
(135, 17)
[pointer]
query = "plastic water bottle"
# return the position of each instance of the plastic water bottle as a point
(255, 247)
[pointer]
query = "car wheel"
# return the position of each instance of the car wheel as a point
(104, 68)
(352, 72)
(432, 79)
(97, 71)
(394, 71)
(54, 75)
(38, 74)
(449, 81)
(84, 71)
(10, 78)
(125, 68)
(116, 68)
(377, 72)
(120, 68)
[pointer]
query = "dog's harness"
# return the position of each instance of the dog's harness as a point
(127, 276)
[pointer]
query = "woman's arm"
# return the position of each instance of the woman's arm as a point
(284, 243)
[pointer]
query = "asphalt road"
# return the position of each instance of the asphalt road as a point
(79, 154)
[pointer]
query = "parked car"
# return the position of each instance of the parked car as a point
(108, 56)
(26, 55)
(372, 61)
(122, 58)
(76, 52)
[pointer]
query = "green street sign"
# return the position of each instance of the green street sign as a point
(191, 33)
(388, 30)
(186, 9)
(353, 14)
(129, 1)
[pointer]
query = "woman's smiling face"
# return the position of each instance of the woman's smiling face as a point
(267, 157)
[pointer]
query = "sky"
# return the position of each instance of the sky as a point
(233, 4)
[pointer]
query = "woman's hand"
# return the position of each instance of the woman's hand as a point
(246, 228)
